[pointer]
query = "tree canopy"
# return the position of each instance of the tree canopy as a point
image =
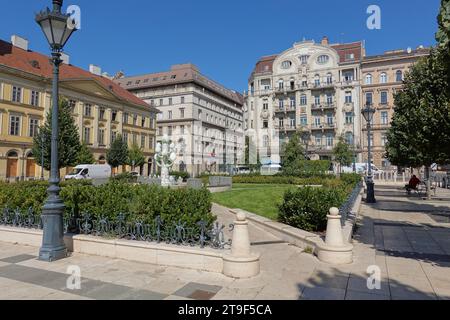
(293, 154)
(342, 153)
(136, 157)
(85, 155)
(117, 155)
(68, 139)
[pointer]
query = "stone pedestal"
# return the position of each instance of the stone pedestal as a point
(241, 262)
(335, 250)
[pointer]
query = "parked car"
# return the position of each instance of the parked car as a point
(361, 168)
(90, 171)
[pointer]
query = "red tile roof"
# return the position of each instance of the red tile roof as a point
(355, 48)
(39, 65)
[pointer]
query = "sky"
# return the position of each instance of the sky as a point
(223, 38)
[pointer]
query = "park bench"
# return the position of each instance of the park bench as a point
(421, 190)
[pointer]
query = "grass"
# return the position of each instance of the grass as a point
(262, 199)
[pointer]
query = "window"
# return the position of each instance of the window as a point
(349, 56)
(169, 131)
(87, 135)
(101, 137)
(304, 120)
(281, 122)
(182, 130)
(348, 97)
(281, 84)
(317, 100)
(265, 141)
(292, 122)
(286, 64)
(265, 124)
(265, 105)
(305, 82)
(142, 141)
(170, 101)
(371, 140)
(143, 120)
(384, 140)
(317, 121)
(199, 114)
(34, 127)
(125, 137)
(317, 80)
(72, 105)
(152, 122)
(304, 59)
(150, 142)
(161, 102)
(160, 131)
(369, 98)
(369, 79)
(330, 141)
(87, 110)
(293, 102)
(182, 99)
(349, 138)
(135, 118)
(330, 119)
(383, 78)
(135, 139)
(182, 113)
(399, 76)
(348, 76)
(323, 59)
(384, 118)
(14, 125)
(113, 136)
(384, 97)
(101, 113)
(349, 118)
(281, 104)
(125, 118)
(34, 98)
(303, 100)
(329, 78)
(318, 140)
(17, 94)
(329, 98)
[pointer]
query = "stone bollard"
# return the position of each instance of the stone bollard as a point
(241, 262)
(335, 250)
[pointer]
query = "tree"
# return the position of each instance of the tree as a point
(136, 157)
(343, 153)
(420, 129)
(68, 140)
(118, 154)
(443, 35)
(293, 154)
(85, 155)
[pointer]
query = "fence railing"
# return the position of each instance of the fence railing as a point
(158, 231)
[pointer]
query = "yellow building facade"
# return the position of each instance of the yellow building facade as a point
(100, 108)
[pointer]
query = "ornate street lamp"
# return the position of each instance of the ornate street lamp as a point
(306, 137)
(58, 28)
(368, 112)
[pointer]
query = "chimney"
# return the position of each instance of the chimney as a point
(19, 42)
(65, 58)
(95, 70)
(325, 41)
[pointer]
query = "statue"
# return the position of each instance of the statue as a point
(165, 157)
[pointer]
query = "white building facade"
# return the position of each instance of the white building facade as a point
(204, 119)
(311, 88)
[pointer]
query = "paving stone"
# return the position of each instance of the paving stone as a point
(357, 295)
(136, 294)
(319, 293)
(320, 280)
(19, 258)
(198, 291)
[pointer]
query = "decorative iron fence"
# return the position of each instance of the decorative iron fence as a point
(158, 231)
(346, 208)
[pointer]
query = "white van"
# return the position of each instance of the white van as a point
(90, 171)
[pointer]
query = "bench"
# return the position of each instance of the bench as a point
(421, 190)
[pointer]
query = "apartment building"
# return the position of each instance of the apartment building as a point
(382, 77)
(202, 117)
(312, 88)
(101, 109)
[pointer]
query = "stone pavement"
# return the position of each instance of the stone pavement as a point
(408, 239)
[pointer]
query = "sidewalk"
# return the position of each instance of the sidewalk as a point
(408, 239)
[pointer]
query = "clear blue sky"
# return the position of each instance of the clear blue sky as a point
(223, 38)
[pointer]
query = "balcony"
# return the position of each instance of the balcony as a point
(284, 109)
(323, 85)
(323, 106)
(323, 127)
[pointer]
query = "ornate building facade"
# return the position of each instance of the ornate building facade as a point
(101, 109)
(313, 88)
(203, 118)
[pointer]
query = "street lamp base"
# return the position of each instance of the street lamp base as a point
(52, 254)
(370, 198)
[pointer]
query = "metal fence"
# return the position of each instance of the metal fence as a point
(202, 235)
(346, 208)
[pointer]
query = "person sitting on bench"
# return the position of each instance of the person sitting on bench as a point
(413, 183)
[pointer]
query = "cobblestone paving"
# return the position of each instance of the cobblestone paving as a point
(407, 238)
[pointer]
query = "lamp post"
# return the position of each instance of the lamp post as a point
(306, 136)
(354, 142)
(42, 157)
(368, 112)
(57, 28)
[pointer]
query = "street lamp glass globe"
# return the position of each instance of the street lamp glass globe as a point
(368, 112)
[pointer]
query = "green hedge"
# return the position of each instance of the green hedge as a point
(307, 208)
(306, 168)
(139, 202)
(177, 174)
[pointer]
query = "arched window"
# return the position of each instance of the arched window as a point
(280, 84)
(383, 78)
(317, 80)
(329, 78)
(12, 154)
(399, 76)
(369, 79)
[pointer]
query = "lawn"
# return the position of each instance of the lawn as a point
(262, 199)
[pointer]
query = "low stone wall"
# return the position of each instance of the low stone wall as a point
(205, 259)
(218, 181)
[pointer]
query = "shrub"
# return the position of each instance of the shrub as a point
(139, 202)
(180, 174)
(307, 208)
(306, 168)
(125, 177)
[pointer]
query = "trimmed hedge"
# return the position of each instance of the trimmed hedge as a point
(307, 208)
(140, 202)
(307, 168)
(177, 174)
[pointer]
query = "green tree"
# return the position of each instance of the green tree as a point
(443, 37)
(420, 129)
(136, 157)
(118, 154)
(85, 155)
(293, 154)
(343, 153)
(68, 140)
